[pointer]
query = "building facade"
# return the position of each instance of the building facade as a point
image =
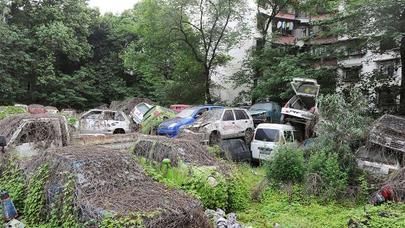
(376, 71)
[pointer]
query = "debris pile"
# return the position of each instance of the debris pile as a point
(127, 105)
(158, 148)
(222, 220)
(109, 182)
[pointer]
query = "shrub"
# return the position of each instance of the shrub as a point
(325, 177)
(238, 194)
(287, 165)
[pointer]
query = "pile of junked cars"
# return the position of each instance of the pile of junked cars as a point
(245, 133)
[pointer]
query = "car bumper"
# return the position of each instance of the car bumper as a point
(168, 132)
(259, 121)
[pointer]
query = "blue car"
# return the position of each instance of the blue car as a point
(188, 116)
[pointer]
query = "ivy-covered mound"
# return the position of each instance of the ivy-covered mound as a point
(109, 187)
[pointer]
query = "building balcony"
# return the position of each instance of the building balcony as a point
(286, 16)
(285, 40)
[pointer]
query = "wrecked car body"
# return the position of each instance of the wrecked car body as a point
(27, 135)
(385, 149)
(104, 122)
(269, 112)
(188, 116)
(227, 123)
(302, 108)
(154, 117)
(139, 111)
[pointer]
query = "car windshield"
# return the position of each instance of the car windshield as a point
(142, 108)
(211, 116)
(261, 106)
(267, 135)
(186, 113)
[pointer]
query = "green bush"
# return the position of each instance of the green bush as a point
(330, 180)
(9, 111)
(287, 165)
(238, 194)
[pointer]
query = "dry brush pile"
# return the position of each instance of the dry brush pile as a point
(111, 183)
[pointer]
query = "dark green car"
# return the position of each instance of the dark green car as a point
(269, 112)
(153, 117)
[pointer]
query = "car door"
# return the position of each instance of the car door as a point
(90, 121)
(228, 124)
(242, 122)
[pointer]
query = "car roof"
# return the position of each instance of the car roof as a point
(276, 126)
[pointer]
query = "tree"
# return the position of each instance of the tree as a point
(166, 65)
(216, 25)
(378, 21)
(60, 53)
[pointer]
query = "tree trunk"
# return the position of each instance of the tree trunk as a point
(207, 78)
(402, 89)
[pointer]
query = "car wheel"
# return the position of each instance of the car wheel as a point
(118, 131)
(248, 136)
(215, 138)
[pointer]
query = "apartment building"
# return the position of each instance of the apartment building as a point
(375, 71)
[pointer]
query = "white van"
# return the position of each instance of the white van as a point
(268, 136)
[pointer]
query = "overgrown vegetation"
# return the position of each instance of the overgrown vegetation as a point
(331, 160)
(287, 166)
(214, 189)
(10, 110)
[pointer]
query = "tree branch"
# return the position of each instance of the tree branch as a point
(221, 35)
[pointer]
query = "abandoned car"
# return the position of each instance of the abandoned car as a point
(269, 112)
(139, 111)
(179, 107)
(268, 136)
(105, 122)
(26, 135)
(225, 123)
(154, 117)
(385, 149)
(188, 116)
(302, 108)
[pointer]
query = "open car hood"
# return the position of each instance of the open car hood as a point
(305, 87)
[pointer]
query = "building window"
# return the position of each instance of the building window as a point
(386, 97)
(351, 74)
(283, 27)
(261, 21)
(387, 68)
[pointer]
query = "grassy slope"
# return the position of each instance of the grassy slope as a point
(275, 207)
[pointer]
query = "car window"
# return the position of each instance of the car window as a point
(200, 112)
(289, 136)
(108, 115)
(119, 117)
(92, 115)
(241, 115)
(36, 132)
(228, 116)
(267, 135)
(142, 108)
(261, 106)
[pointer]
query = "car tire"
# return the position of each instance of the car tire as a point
(215, 138)
(248, 136)
(119, 131)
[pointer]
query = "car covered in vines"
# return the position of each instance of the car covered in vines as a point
(26, 135)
